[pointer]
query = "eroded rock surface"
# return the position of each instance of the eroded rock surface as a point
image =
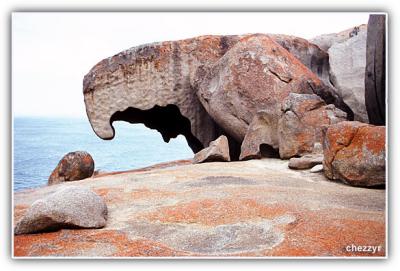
(218, 151)
(256, 74)
(301, 126)
(68, 207)
(251, 208)
(347, 72)
(159, 84)
(355, 153)
(73, 166)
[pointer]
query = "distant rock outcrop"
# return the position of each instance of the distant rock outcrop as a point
(73, 166)
(218, 151)
(70, 207)
(354, 153)
(325, 41)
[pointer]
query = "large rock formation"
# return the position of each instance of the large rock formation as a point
(354, 153)
(375, 71)
(155, 84)
(347, 72)
(73, 166)
(68, 207)
(150, 84)
(218, 151)
(257, 74)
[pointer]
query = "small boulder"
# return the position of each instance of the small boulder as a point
(69, 207)
(73, 166)
(306, 161)
(217, 151)
(354, 153)
(300, 128)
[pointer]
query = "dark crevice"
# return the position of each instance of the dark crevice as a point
(268, 151)
(167, 120)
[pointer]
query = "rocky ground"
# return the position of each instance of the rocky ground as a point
(247, 208)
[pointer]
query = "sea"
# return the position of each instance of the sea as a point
(40, 143)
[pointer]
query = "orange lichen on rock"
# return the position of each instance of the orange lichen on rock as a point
(214, 212)
(88, 243)
(318, 235)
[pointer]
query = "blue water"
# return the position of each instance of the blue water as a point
(39, 144)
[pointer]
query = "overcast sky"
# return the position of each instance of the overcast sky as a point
(51, 52)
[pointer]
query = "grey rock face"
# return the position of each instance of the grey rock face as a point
(218, 151)
(347, 72)
(375, 70)
(69, 207)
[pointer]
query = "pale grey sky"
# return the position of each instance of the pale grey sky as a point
(51, 52)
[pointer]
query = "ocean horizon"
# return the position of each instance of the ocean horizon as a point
(40, 142)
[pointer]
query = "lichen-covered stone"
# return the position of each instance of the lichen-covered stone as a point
(68, 207)
(73, 166)
(255, 74)
(301, 126)
(354, 153)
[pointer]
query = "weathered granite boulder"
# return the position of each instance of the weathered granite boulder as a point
(302, 123)
(218, 151)
(347, 72)
(325, 41)
(262, 131)
(150, 84)
(73, 166)
(375, 71)
(157, 84)
(256, 74)
(306, 161)
(70, 207)
(354, 153)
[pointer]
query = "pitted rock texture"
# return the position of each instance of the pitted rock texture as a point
(325, 41)
(256, 74)
(217, 151)
(134, 83)
(347, 72)
(302, 124)
(355, 153)
(157, 84)
(68, 207)
(73, 166)
(253, 208)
